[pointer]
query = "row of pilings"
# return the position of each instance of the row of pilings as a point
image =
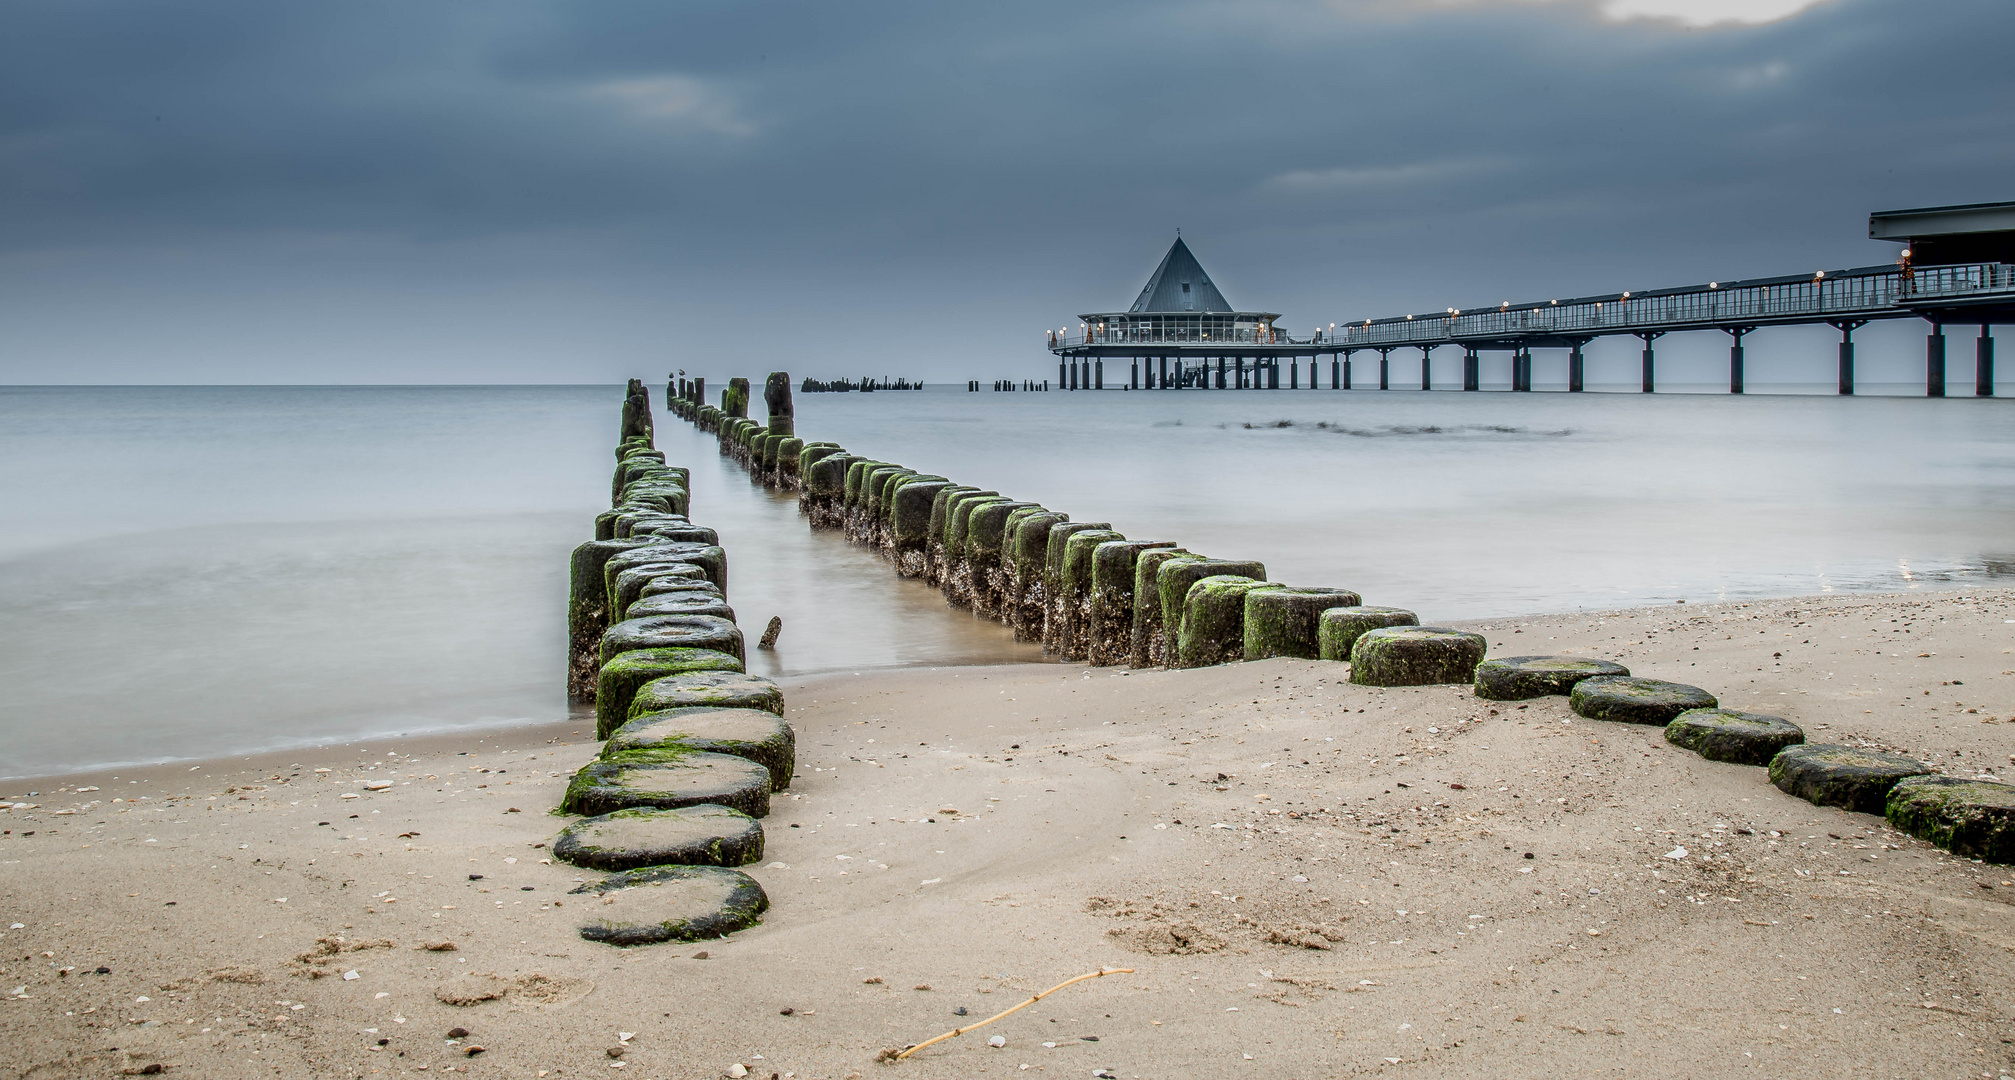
(1092, 595)
(693, 747)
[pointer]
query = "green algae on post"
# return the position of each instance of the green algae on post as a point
(1146, 649)
(671, 903)
(673, 631)
(1633, 700)
(703, 835)
(588, 612)
(1213, 621)
(1844, 776)
(1073, 591)
(624, 675)
(1338, 628)
(1973, 819)
(1172, 582)
(667, 779)
(1286, 620)
(1415, 656)
(711, 689)
(1738, 738)
(1108, 610)
(761, 736)
(1516, 678)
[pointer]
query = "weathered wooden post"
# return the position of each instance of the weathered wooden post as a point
(637, 411)
(777, 394)
(735, 399)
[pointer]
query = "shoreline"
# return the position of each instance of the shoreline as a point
(543, 730)
(1323, 876)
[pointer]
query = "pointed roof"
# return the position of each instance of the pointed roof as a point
(1179, 284)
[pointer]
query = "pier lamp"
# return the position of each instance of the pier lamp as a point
(1819, 275)
(1713, 284)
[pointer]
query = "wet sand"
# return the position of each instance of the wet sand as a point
(1311, 879)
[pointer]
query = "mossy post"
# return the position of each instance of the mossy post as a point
(1738, 738)
(986, 537)
(1844, 776)
(789, 453)
(1052, 580)
(1286, 621)
(756, 734)
(1338, 629)
(1146, 647)
(825, 491)
(934, 541)
(735, 399)
(1973, 819)
(1213, 620)
(1109, 609)
(1415, 656)
(636, 411)
(777, 395)
(910, 529)
(588, 612)
(1030, 599)
(1632, 700)
(1072, 639)
(958, 584)
(621, 678)
(1516, 678)
(673, 632)
(1172, 582)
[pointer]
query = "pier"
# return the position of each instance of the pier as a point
(1956, 268)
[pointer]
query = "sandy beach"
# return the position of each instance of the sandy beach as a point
(1311, 879)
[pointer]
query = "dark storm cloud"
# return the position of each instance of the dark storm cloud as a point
(998, 167)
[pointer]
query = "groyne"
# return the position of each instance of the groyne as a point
(1090, 594)
(693, 746)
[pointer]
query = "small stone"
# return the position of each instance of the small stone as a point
(923, 986)
(616, 1051)
(351, 974)
(471, 1051)
(701, 955)
(458, 1033)
(960, 1011)
(997, 1041)
(786, 1011)
(738, 1070)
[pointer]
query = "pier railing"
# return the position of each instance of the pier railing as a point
(1863, 293)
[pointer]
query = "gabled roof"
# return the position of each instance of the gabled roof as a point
(1179, 284)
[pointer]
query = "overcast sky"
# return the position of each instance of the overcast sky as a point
(576, 192)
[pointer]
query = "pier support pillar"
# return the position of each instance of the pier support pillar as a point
(1650, 362)
(1735, 357)
(1062, 380)
(1163, 384)
(1384, 369)
(1934, 361)
(1133, 381)
(1273, 375)
(1577, 370)
(1335, 372)
(1294, 373)
(1472, 370)
(1098, 377)
(1426, 367)
(1983, 363)
(1220, 373)
(1846, 328)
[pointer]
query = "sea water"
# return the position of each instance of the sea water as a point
(188, 572)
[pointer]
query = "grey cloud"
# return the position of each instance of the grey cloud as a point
(821, 166)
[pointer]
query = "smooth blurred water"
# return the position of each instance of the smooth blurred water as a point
(194, 571)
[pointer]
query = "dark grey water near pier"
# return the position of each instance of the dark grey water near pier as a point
(195, 571)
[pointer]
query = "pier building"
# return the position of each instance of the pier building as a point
(1955, 266)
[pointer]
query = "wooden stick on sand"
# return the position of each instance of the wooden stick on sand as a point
(960, 1031)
